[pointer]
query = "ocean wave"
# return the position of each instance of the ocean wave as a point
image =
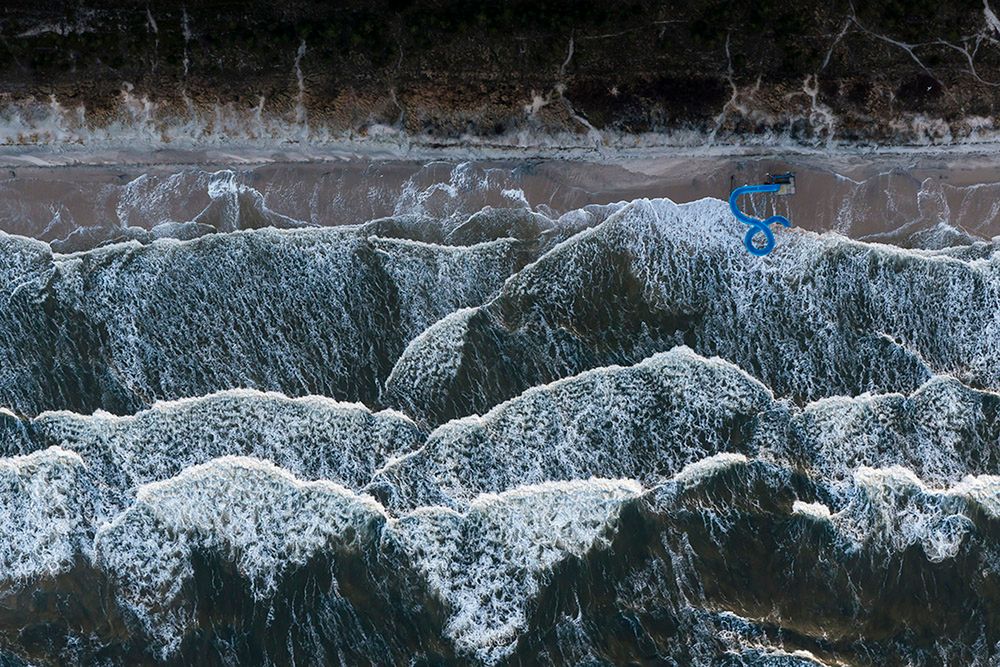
(642, 422)
(727, 542)
(255, 515)
(45, 514)
(941, 432)
(462, 203)
(319, 311)
(822, 316)
(312, 437)
(647, 421)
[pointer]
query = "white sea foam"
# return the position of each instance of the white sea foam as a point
(698, 471)
(488, 562)
(44, 524)
(312, 437)
(155, 122)
(642, 422)
(300, 311)
(249, 511)
(892, 509)
(822, 315)
(818, 511)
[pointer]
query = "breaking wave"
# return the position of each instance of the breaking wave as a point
(822, 316)
(301, 311)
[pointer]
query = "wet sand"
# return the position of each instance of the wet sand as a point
(876, 197)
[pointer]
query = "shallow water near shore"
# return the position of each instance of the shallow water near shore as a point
(915, 200)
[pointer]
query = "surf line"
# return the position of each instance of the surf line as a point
(781, 184)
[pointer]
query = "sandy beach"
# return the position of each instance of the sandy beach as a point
(47, 194)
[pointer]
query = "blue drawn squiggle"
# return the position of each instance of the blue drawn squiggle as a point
(757, 226)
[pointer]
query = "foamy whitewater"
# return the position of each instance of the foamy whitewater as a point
(452, 424)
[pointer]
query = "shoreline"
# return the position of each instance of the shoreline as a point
(49, 193)
(182, 153)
